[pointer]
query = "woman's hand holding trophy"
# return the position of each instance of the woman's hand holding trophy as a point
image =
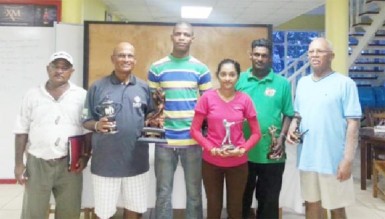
(237, 151)
(227, 149)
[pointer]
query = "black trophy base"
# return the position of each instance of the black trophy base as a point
(153, 135)
(152, 140)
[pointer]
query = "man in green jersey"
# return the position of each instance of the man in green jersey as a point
(271, 94)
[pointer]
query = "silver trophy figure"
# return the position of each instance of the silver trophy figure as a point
(226, 143)
(108, 108)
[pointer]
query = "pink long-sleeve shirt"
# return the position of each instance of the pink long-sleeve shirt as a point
(212, 108)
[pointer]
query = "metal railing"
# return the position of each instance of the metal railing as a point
(301, 67)
(295, 70)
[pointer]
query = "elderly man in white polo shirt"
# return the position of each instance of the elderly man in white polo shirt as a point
(49, 114)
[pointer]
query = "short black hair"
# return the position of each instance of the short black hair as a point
(262, 43)
(236, 64)
(184, 23)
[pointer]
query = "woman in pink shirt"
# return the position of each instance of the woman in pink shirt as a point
(225, 110)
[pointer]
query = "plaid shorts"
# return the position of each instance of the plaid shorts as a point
(108, 189)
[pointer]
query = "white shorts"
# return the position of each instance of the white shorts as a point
(108, 189)
(326, 188)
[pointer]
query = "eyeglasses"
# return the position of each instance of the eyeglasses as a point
(320, 52)
(62, 68)
(124, 55)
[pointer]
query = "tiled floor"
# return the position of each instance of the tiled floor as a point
(365, 207)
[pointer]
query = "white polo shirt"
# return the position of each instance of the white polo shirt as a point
(49, 122)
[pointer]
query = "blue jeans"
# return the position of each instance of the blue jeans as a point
(166, 160)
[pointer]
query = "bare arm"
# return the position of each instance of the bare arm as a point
(291, 138)
(98, 126)
(90, 125)
(284, 130)
(86, 153)
(20, 146)
(345, 167)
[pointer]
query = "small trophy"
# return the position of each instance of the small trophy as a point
(153, 131)
(297, 132)
(108, 108)
(226, 143)
(275, 152)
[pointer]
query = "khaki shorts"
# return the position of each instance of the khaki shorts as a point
(326, 188)
(107, 190)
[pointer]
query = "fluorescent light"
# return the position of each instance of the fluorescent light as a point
(195, 12)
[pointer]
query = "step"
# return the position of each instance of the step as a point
(368, 13)
(361, 77)
(371, 1)
(372, 55)
(371, 64)
(364, 83)
(376, 36)
(379, 33)
(371, 46)
(366, 71)
(365, 23)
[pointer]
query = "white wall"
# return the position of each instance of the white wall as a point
(24, 55)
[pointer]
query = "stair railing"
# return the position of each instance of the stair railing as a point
(298, 71)
(356, 7)
(294, 66)
(370, 31)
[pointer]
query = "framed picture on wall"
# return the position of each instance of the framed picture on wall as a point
(30, 13)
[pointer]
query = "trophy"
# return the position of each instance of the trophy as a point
(226, 143)
(108, 108)
(297, 132)
(275, 152)
(153, 131)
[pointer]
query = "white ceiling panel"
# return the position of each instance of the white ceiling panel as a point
(273, 12)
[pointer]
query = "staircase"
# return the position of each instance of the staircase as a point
(367, 50)
(367, 42)
(366, 53)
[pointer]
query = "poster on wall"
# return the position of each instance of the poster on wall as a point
(28, 15)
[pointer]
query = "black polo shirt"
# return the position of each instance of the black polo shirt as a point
(119, 154)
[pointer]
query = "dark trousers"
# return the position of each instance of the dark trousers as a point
(266, 179)
(213, 179)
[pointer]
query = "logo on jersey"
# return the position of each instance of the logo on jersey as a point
(137, 103)
(270, 92)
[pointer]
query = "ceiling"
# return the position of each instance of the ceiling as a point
(273, 12)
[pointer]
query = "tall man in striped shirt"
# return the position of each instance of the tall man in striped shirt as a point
(181, 77)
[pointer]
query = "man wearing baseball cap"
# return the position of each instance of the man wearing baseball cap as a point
(49, 114)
